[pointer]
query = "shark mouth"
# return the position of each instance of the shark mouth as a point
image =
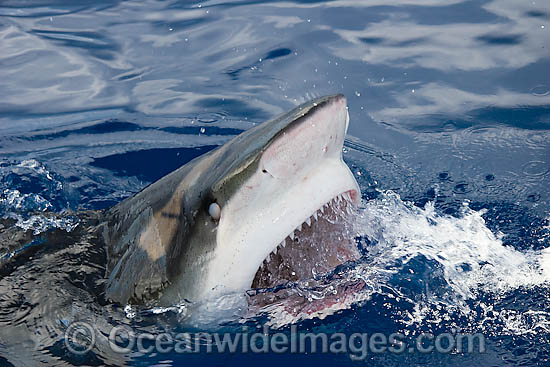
(318, 245)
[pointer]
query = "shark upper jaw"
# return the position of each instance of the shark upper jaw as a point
(298, 173)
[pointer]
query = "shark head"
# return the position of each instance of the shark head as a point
(263, 209)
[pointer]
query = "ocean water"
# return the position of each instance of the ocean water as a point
(449, 140)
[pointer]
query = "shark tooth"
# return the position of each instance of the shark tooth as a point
(346, 196)
(315, 215)
(291, 235)
(308, 221)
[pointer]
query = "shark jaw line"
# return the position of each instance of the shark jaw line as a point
(310, 250)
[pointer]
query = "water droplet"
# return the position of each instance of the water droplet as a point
(357, 94)
(203, 130)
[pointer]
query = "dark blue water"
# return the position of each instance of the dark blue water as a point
(449, 139)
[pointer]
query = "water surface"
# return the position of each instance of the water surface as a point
(449, 140)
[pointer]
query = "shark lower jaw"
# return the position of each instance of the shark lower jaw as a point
(316, 246)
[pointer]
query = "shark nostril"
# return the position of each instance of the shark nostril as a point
(215, 211)
(266, 171)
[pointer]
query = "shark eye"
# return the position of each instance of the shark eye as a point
(215, 211)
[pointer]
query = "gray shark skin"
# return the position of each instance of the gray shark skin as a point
(164, 244)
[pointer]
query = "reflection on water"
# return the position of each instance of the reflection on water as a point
(449, 105)
(403, 59)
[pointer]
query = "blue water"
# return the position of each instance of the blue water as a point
(449, 139)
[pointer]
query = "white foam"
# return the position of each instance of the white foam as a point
(39, 223)
(544, 262)
(473, 257)
(15, 200)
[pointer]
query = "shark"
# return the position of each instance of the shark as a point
(266, 208)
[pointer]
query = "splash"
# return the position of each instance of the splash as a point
(41, 223)
(473, 259)
(447, 266)
(29, 192)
